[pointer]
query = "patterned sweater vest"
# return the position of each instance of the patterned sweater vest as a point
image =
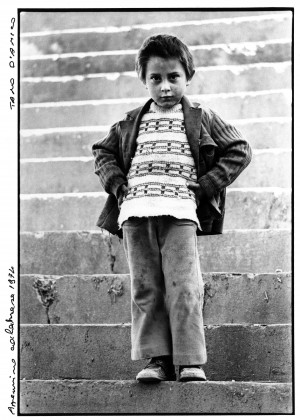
(160, 168)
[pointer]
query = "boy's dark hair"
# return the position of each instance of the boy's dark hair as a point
(164, 46)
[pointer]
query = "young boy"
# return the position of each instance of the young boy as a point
(165, 168)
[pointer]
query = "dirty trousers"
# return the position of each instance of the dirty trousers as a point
(166, 289)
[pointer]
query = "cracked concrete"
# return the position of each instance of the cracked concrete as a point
(111, 254)
(279, 212)
(47, 292)
(228, 298)
(115, 290)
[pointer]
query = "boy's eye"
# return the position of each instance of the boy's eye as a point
(155, 78)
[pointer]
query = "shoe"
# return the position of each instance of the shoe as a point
(191, 373)
(157, 370)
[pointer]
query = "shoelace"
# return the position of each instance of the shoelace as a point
(155, 363)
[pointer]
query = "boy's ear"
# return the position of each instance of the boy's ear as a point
(190, 79)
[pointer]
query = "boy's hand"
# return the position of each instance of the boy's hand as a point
(199, 194)
(122, 193)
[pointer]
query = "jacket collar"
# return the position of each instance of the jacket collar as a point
(130, 130)
(186, 105)
(140, 110)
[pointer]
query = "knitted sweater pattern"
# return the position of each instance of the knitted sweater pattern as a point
(160, 168)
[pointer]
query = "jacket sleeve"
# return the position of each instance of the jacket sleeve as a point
(107, 161)
(234, 155)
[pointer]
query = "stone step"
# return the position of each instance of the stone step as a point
(90, 252)
(116, 397)
(260, 208)
(50, 21)
(207, 80)
(241, 29)
(259, 104)
(235, 352)
(76, 174)
(229, 298)
(262, 133)
(121, 61)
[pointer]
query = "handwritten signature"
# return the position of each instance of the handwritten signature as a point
(12, 64)
(13, 389)
(10, 330)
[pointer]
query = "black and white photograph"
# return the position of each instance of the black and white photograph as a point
(153, 210)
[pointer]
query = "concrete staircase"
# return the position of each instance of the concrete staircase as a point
(77, 79)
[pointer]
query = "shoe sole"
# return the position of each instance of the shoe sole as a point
(190, 379)
(151, 379)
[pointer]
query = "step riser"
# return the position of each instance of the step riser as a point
(37, 21)
(257, 105)
(262, 134)
(238, 54)
(61, 253)
(235, 352)
(206, 34)
(204, 82)
(78, 175)
(244, 210)
(229, 298)
(130, 397)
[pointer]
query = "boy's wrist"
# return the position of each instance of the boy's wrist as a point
(121, 194)
(206, 187)
(115, 188)
(121, 190)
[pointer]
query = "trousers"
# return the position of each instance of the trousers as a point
(166, 289)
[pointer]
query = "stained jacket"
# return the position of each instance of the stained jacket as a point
(219, 150)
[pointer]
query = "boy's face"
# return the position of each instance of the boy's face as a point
(166, 81)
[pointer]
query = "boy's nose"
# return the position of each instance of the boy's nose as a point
(165, 86)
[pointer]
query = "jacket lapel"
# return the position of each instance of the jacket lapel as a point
(192, 118)
(206, 139)
(130, 130)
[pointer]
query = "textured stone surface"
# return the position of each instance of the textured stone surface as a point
(69, 252)
(245, 209)
(104, 112)
(118, 397)
(268, 168)
(258, 208)
(41, 21)
(95, 299)
(235, 352)
(80, 300)
(195, 33)
(66, 253)
(63, 212)
(205, 81)
(226, 54)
